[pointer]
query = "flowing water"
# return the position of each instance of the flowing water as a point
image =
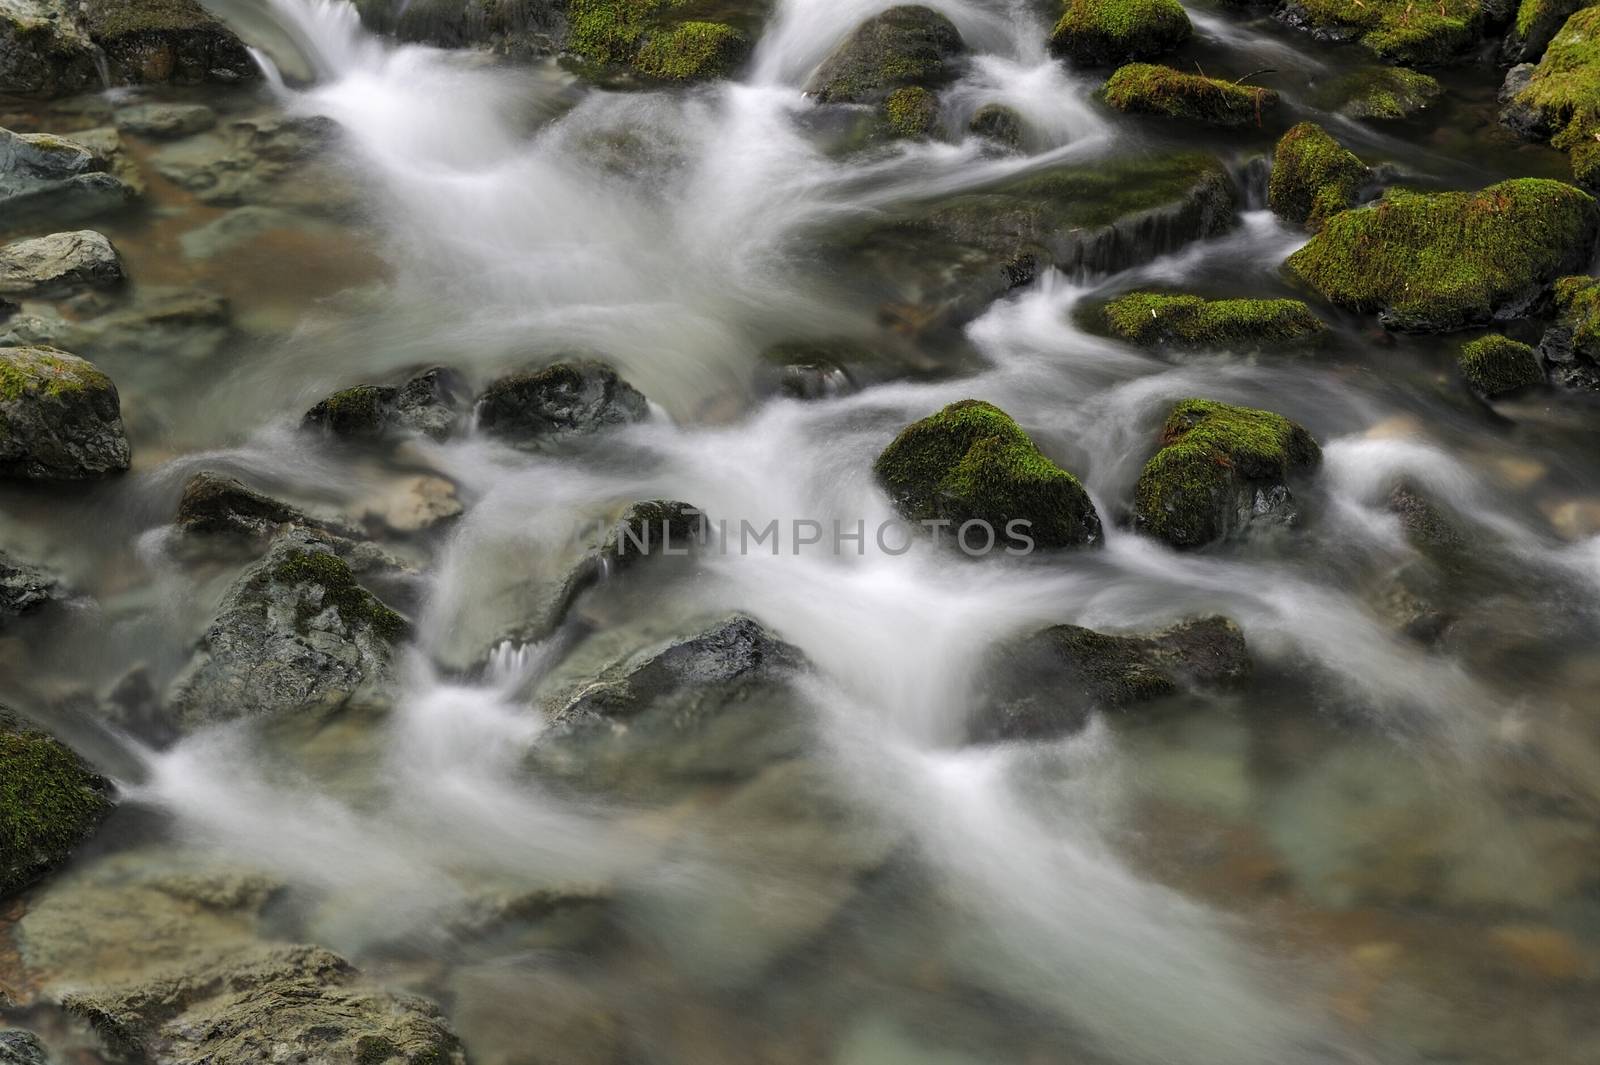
(1378, 852)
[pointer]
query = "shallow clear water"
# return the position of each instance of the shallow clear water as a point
(1378, 852)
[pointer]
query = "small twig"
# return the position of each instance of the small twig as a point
(1253, 73)
(1200, 68)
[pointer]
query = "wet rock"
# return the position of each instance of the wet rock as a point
(59, 264)
(430, 403)
(260, 1005)
(1570, 348)
(217, 506)
(245, 224)
(165, 121)
(1047, 683)
(24, 588)
(1436, 262)
(652, 528)
(262, 160)
(1313, 177)
(1153, 319)
(22, 1048)
(912, 112)
(44, 50)
(972, 463)
(536, 408)
(656, 41)
(1398, 31)
(165, 41)
(1496, 366)
(1109, 32)
(1148, 89)
(1427, 526)
(524, 28)
(999, 125)
(1535, 26)
(1555, 101)
(60, 418)
(295, 632)
(1221, 471)
(50, 801)
(1387, 94)
(904, 46)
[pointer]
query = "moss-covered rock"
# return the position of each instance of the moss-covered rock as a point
(1498, 366)
(1535, 26)
(165, 41)
(60, 417)
(50, 801)
(1560, 101)
(430, 403)
(1381, 94)
(1108, 32)
(1045, 685)
(1149, 89)
(1313, 176)
(660, 40)
(1155, 319)
(1436, 262)
(904, 46)
(912, 112)
(972, 462)
(1571, 346)
(534, 408)
(1399, 31)
(1221, 471)
(44, 50)
(998, 124)
(508, 27)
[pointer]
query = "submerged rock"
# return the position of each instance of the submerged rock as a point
(904, 46)
(58, 265)
(1382, 94)
(303, 1003)
(655, 40)
(1108, 32)
(430, 403)
(1435, 262)
(1398, 31)
(24, 588)
(50, 801)
(164, 121)
(50, 180)
(1049, 681)
(1154, 319)
(1313, 176)
(295, 632)
(1148, 89)
(1570, 348)
(534, 408)
(60, 417)
(45, 50)
(972, 463)
(1557, 100)
(165, 41)
(998, 124)
(1497, 366)
(1221, 471)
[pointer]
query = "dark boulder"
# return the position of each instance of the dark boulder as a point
(50, 801)
(60, 417)
(535, 408)
(902, 47)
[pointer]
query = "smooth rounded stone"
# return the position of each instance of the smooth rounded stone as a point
(1047, 683)
(295, 633)
(998, 124)
(431, 403)
(1442, 261)
(1221, 472)
(25, 588)
(971, 462)
(1150, 89)
(266, 1004)
(1108, 32)
(1184, 322)
(60, 417)
(164, 121)
(1313, 177)
(50, 801)
(533, 408)
(45, 50)
(59, 264)
(904, 46)
(1496, 366)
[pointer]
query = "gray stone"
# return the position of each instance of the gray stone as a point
(60, 417)
(163, 121)
(22, 1048)
(217, 506)
(58, 264)
(45, 179)
(533, 408)
(24, 588)
(430, 403)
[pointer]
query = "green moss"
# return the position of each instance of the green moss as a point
(1562, 98)
(1498, 366)
(904, 46)
(1313, 176)
(356, 606)
(998, 123)
(44, 371)
(971, 461)
(1403, 31)
(656, 38)
(912, 111)
(1385, 93)
(1441, 261)
(1119, 671)
(691, 51)
(358, 411)
(49, 801)
(1148, 89)
(1107, 32)
(1213, 455)
(1578, 306)
(1151, 319)
(1536, 24)
(109, 19)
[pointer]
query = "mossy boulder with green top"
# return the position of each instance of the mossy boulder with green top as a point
(1149, 89)
(165, 41)
(1158, 319)
(1221, 471)
(1398, 31)
(912, 112)
(1570, 348)
(1108, 32)
(1560, 99)
(1313, 176)
(972, 462)
(1535, 26)
(50, 801)
(904, 46)
(60, 417)
(1496, 366)
(1436, 262)
(1381, 94)
(659, 40)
